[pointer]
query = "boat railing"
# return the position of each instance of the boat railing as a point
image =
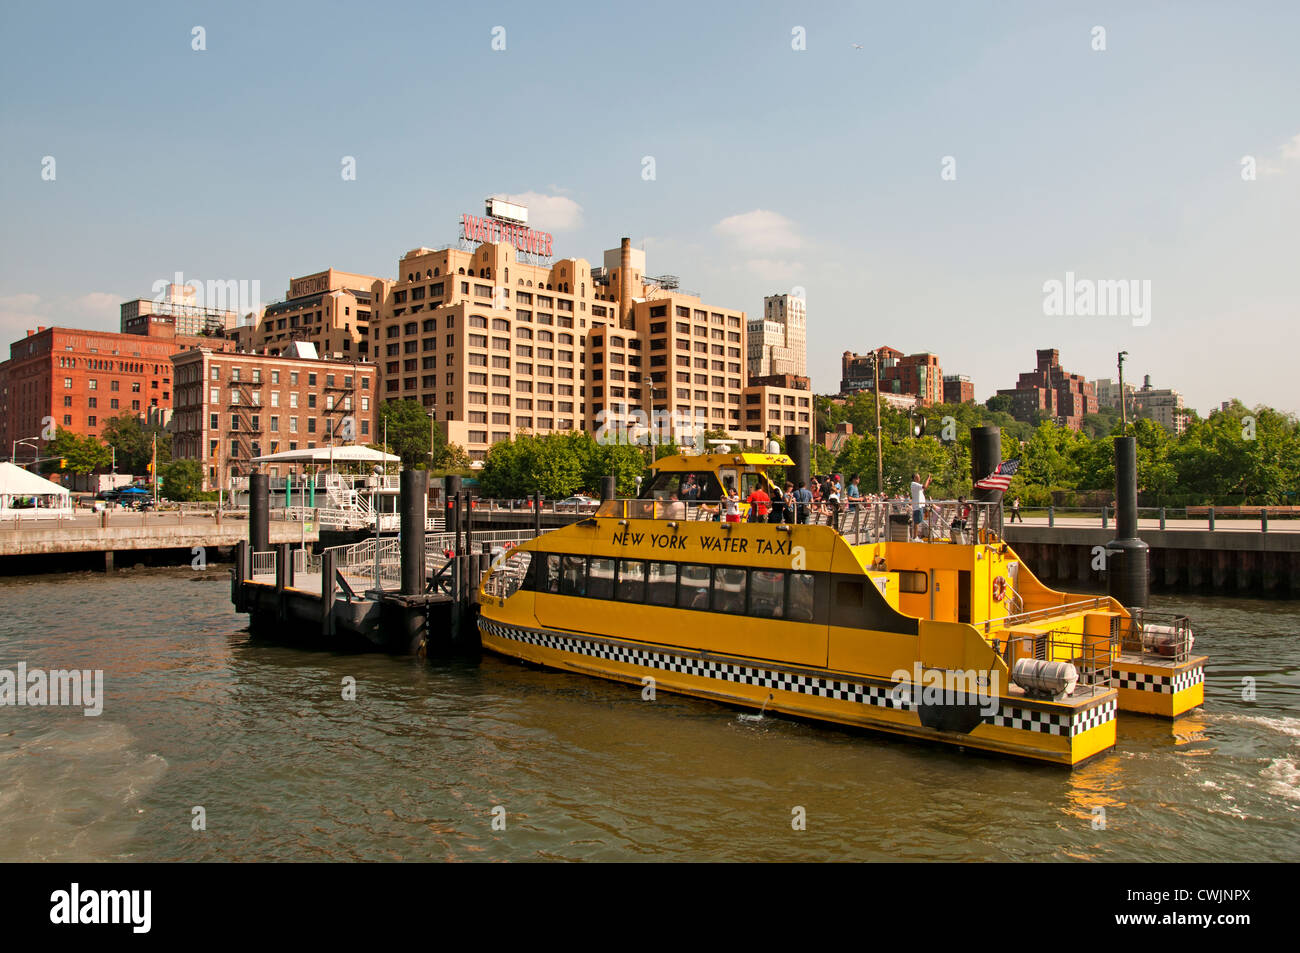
(859, 521)
(1091, 655)
(1047, 612)
(1165, 636)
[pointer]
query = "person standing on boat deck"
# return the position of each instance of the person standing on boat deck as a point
(855, 493)
(676, 509)
(918, 497)
(803, 500)
(731, 506)
(690, 489)
(783, 506)
(758, 504)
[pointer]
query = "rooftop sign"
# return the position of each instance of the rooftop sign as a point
(486, 229)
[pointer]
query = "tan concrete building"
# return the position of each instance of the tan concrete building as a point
(778, 341)
(779, 405)
(330, 309)
(229, 408)
(493, 343)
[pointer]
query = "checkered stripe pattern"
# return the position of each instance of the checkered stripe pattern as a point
(1052, 723)
(704, 668)
(1161, 684)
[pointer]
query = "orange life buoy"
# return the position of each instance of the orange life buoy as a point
(999, 588)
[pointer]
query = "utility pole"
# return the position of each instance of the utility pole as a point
(155, 471)
(1123, 403)
(880, 453)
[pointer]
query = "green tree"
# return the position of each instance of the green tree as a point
(82, 454)
(182, 480)
(133, 439)
(408, 430)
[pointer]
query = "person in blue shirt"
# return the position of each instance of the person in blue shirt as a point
(803, 503)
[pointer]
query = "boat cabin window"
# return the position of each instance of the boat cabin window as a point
(697, 485)
(693, 593)
(735, 590)
(509, 574)
(754, 481)
(661, 584)
(600, 578)
(573, 575)
(767, 594)
(799, 604)
(729, 589)
(913, 581)
(631, 580)
(727, 476)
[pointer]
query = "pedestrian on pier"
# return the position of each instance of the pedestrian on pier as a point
(1015, 510)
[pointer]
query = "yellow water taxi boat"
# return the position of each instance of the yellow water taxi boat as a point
(941, 635)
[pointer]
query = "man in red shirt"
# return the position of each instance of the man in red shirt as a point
(758, 501)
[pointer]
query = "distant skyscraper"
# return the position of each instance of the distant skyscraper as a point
(778, 341)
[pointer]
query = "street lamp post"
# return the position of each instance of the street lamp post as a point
(24, 441)
(1123, 404)
(880, 452)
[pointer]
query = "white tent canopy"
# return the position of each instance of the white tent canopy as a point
(48, 499)
(327, 455)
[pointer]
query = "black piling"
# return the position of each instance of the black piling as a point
(985, 455)
(608, 488)
(414, 492)
(1126, 556)
(259, 512)
(797, 449)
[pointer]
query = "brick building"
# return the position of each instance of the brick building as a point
(917, 375)
(79, 380)
(958, 389)
(232, 407)
(1049, 392)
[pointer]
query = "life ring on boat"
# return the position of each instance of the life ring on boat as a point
(999, 588)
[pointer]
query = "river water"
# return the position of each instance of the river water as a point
(428, 756)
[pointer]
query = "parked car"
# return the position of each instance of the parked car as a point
(578, 503)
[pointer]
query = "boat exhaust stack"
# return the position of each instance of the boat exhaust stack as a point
(797, 449)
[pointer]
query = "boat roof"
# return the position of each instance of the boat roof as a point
(711, 461)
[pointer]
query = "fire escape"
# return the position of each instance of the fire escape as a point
(340, 407)
(245, 404)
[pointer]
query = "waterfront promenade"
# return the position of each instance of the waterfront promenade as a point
(89, 534)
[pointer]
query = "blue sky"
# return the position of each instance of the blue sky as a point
(774, 168)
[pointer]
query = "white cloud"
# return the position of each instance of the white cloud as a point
(99, 304)
(1291, 150)
(760, 232)
(557, 213)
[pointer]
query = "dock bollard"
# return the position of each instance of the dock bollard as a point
(1263, 521)
(1211, 514)
(1162, 517)
(1051, 516)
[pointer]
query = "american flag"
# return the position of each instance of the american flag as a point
(1000, 478)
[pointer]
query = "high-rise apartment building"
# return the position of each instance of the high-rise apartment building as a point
(494, 340)
(778, 340)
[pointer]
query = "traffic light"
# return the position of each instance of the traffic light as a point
(63, 463)
(148, 467)
(918, 426)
